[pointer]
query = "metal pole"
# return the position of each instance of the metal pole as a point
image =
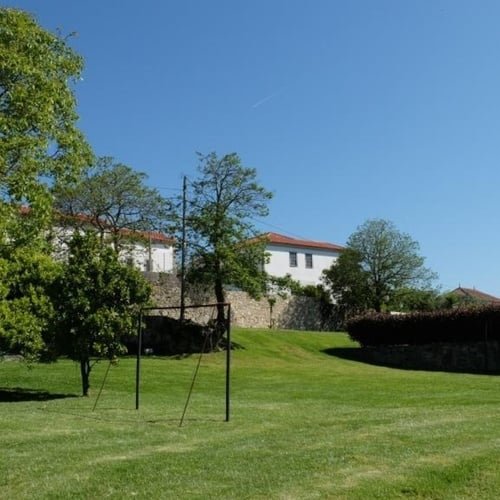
(486, 346)
(150, 264)
(183, 248)
(228, 362)
(138, 363)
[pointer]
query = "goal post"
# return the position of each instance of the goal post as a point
(146, 312)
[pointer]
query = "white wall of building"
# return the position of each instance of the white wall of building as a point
(138, 253)
(156, 257)
(279, 262)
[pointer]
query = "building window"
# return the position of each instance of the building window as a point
(309, 261)
(293, 259)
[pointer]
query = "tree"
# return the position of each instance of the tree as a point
(99, 300)
(39, 141)
(409, 299)
(348, 284)
(220, 236)
(384, 261)
(114, 199)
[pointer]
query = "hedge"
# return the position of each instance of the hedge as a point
(451, 325)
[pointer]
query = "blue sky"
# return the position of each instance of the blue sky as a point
(348, 109)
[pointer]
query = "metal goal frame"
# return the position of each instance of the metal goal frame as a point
(143, 312)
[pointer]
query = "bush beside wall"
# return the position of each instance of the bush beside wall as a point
(466, 339)
(455, 325)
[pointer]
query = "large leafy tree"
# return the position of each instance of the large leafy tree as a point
(40, 143)
(222, 204)
(114, 199)
(98, 302)
(380, 261)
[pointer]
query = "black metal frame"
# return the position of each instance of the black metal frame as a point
(228, 350)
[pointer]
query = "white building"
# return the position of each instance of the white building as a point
(145, 250)
(303, 260)
(153, 253)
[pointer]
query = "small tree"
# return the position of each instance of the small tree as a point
(348, 284)
(99, 298)
(27, 280)
(114, 199)
(221, 206)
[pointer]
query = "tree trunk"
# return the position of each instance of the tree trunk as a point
(379, 297)
(220, 325)
(85, 373)
(219, 295)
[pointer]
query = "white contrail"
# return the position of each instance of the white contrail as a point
(268, 98)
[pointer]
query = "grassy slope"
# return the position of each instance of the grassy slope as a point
(304, 424)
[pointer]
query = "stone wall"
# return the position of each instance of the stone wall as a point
(473, 357)
(294, 313)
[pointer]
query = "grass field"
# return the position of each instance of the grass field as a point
(304, 424)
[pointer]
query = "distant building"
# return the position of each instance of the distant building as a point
(153, 252)
(145, 250)
(303, 260)
(471, 295)
(148, 251)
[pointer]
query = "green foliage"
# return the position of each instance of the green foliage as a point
(39, 141)
(349, 285)
(453, 300)
(282, 286)
(414, 299)
(114, 199)
(390, 259)
(378, 262)
(27, 278)
(99, 299)
(222, 203)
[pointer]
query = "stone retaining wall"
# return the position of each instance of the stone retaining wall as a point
(294, 313)
(473, 357)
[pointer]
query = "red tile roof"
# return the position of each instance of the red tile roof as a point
(280, 239)
(153, 236)
(476, 294)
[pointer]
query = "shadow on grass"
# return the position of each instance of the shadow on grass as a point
(350, 353)
(19, 395)
(234, 346)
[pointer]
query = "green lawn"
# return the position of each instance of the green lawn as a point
(304, 424)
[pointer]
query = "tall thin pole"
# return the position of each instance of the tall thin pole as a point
(150, 265)
(183, 248)
(138, 361)
(228, 362)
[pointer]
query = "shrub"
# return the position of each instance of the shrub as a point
(456, 325)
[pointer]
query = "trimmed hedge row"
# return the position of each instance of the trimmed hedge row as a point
(452, 325)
